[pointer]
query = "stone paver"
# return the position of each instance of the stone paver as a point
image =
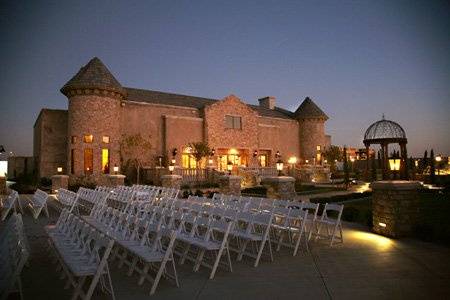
(366, 266)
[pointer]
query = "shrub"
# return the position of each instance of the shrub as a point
(261, 191)
(45, 182)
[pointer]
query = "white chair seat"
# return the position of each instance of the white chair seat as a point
(147, 254)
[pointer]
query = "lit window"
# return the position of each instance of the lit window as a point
(73, 139)
(105, 161)
(233, 122)
(188, 161)
(262, 160)
(318, 147)
(88, 161)
(88, 138)
(105, 139)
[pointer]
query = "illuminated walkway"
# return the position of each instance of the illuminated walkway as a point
(366, 266)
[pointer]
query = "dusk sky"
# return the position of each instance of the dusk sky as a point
(355, 59)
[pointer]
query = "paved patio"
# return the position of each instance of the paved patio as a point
(366, 266)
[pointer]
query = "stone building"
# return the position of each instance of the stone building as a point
(105, 120)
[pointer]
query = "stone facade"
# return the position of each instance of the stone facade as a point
(230, 185)
(395, 207)
(59, 182)
(101, 107)
(280, 187)
(50, 141)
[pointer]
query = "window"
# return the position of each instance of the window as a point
(72, 161)
(88, 161)
(188, 161)
(105, 139)
(233, 122)
(262, 160)
(105, 161)
(88, 138)
(73, 139)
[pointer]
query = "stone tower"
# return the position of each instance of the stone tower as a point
(93, 121)
(311, 121)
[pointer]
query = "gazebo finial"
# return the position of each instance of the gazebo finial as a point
(383, 117)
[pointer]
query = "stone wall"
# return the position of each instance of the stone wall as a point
(312, 134)
(50, 141)
(220, 137)
(99, 116)
(395, 207)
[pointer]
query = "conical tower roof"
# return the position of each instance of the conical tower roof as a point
(309, 110)
(94, 75)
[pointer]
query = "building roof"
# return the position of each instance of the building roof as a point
(308, 109)
(157, 97)
(94, 75)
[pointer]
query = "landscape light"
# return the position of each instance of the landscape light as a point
(59, 170)
(382, 224)
(280, 166)
(116, 169)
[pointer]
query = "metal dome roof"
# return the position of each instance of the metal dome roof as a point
(384, 129)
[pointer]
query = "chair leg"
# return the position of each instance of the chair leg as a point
(78, 288)
(144, 274)
(241, 252)
(185, 253)
(132, 266)
(229, 259)
(199, 259)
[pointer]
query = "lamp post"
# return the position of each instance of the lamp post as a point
(438, 161)
(171, 168)
(280, 166)
(352, 159)
(116, 169)
(394, 165)
(59, 170)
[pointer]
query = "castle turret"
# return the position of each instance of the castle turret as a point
(93, 120)
(311, 121)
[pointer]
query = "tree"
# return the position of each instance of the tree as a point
(200, 150)
(424, 164)
(332, 155)
(134, 152)
(432, 168)
(346, 170)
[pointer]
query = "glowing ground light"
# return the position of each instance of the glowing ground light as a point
(382, 224)
(374, 240)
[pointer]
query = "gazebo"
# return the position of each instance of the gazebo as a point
(385, 132)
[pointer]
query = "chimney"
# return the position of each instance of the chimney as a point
(267, 102)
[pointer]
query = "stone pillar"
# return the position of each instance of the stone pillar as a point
(59, 182)
(395, 207)
(2, 185)
(280, 187)
(230, 184)
(115, 179)
(172, 181)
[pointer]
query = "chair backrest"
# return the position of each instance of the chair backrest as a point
(338, 208)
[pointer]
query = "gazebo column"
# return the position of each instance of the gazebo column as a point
(384, 146)
(404, 158)
(367, 175)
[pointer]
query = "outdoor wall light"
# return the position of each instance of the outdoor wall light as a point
(213, 151)
(115, 169)
(59, 170)
(325, 161)
(255, 153)
(382, 224)
(278, 155)
(280, 166)
(171, 168)
(174, 152)
(307, 161)
(173, 161)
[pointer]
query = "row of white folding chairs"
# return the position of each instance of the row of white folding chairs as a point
(88, 198)
(323, 226)
(67, 199)
(157, 191)
(82, 253)
(14, 253)
(38, 203)
(161, 221)
(10, 202)
(134, 247)
(288, 220)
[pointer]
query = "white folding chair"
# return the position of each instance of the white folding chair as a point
(332, 223)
